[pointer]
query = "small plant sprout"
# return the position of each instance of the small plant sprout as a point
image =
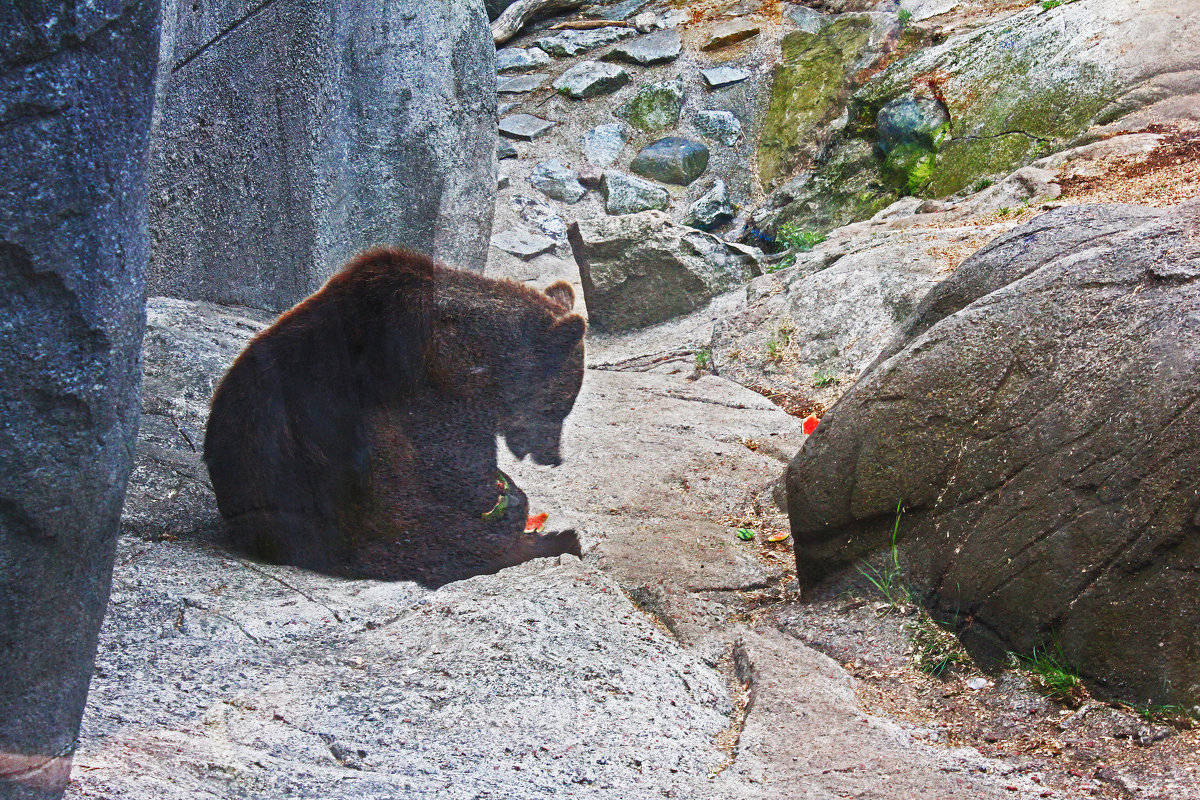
(703, 359)
(981, 184)
(888, 580)
(1053, 676)
(905, 16)
(823, 378)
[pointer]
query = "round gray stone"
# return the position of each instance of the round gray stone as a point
(671, 160)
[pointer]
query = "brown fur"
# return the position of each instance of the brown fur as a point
(357, 434)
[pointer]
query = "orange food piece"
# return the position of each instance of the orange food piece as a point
(536, 522)
(810, 423)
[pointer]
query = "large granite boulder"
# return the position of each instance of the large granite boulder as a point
(1039, 423)
(291, 136)
(75, 114)
(642, 268)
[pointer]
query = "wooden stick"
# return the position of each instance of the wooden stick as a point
(510, 22)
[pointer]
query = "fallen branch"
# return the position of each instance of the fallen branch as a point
(589, 24)
(509, 23)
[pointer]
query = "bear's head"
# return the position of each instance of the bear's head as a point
(537, 404)
(509, 356)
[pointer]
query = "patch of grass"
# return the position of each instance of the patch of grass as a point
(935, 649)
(888, 580)
(1004, 211)
(905, 16)
(822, 378)
(774, 350)
(1176, 716)
(1053, 675)
(981, 184)
(703, 359)
(793, 237)
(778, 341)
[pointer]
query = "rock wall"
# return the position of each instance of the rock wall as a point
(1039, 422)
(75, 102)
(292, 135)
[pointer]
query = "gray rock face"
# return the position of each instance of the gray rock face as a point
(524, 127)
(728, 33)
(1050, 451)
(723, 126)
(717, 77)
(655, 107)
(603, 143)
(521, 84)
(671, 160)
(566, 44)
(711, 210)
(273, 163)
(626, 194)
(641, 269)
(554, 180)
(522, 243)
(654, 48)
(591, 79)
(520, 59)
(75, 108)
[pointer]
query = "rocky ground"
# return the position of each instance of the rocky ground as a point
(675, 659)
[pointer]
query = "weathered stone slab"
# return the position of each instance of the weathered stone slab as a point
(522, 243)
(728, 33)
(1050, 479)
(524, 127)
(654, 48)
(520, 84)
(642, 268)
(591, 79)
(566, 44)
(718, 77)
(603, 143)
(554, 180)
(520, 59)
(627, 194)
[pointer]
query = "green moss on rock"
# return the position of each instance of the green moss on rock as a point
(850, 186)
(654, 108)
(811, 85)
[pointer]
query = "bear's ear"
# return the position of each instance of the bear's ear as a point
(564, 335)
(563, 294)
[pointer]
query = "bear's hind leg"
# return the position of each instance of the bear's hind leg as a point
(287, 538)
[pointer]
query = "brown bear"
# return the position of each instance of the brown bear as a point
(357, 434)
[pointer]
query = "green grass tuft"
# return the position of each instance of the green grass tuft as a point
(888, 581)
(1053, 675)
